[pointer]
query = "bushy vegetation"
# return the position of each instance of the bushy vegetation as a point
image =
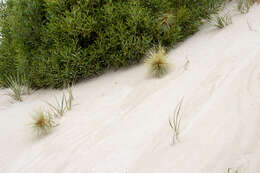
(54, 42)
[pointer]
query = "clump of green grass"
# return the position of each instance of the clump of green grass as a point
(15, 86)
(230, 170)
(43, 122)
(157, 62)
(175, 121)
(59, 108)
(65, 104)
(18, 86)
(244, 6)
(222, 21)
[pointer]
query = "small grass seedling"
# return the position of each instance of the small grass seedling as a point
(157, 62)
(175, 122)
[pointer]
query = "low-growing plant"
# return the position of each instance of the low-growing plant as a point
(157, 62)
(175, 122)
(222, 21)
(70, 98)
(230, 170)
(43, 122)
(18, 86)
(59, 108)
(15, 86)
(65, 104)
(186, 64)
(244, 5)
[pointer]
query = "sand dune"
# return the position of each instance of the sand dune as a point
(119, 123)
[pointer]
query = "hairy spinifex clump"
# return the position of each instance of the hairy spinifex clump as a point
(157, 62)
(42, 122)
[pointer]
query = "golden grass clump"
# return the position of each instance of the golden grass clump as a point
(157, 62)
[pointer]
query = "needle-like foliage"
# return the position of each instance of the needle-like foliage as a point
(55, 42)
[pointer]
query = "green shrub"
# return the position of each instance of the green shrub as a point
(55, 42)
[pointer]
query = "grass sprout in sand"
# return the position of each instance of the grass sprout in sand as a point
(43, 122)
(70, 98)
(62, 106)
(157, 62)
(175, 121)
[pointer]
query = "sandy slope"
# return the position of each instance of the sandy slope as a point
(119, 123)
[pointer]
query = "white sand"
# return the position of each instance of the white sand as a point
(119, 123)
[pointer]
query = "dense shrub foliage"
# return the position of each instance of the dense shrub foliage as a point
(54, 42)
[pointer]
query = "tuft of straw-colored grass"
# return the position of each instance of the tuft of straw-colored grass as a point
(175, 121)
(222, 21)
(157, 62)
(42, 122)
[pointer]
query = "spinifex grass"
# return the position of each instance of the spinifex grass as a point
(244, 5)
(65, 104)
(222, 21)
(59, 108)
(230, 170)
(42, 122)
(157, 62)
(175, 121)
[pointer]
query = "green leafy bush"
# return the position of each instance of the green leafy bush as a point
(55, 42)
